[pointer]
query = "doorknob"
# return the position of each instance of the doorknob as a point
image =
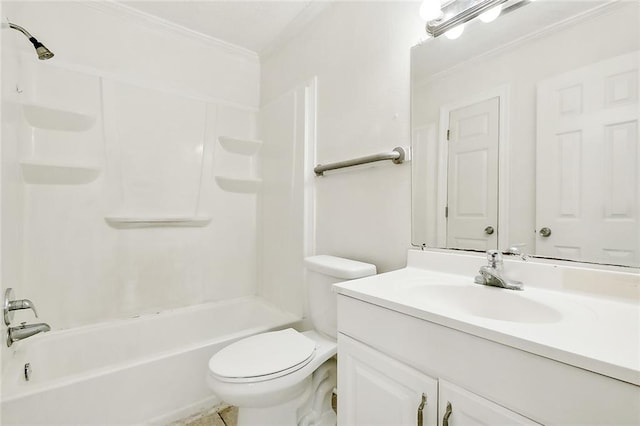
(488, 230)
(545, 232)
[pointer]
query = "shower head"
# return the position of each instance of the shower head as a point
(41, 49)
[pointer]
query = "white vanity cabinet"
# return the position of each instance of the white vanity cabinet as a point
(387, 360)
(459, 407)
(378, 390)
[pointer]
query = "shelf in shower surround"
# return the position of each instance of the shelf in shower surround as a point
(242, 185)
(157, 221)
(240, 146)
(54, 118)
(44, 173)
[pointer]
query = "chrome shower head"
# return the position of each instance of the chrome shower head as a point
(41, 49)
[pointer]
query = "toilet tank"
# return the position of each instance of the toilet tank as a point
(322, 272)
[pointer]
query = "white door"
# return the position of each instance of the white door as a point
(374, 389)
(587, 191)
(472, 193)
(459, 407)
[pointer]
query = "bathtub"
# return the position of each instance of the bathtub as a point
(144, 370)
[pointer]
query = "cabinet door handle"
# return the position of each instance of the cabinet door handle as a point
(423, 402)
(447, 414)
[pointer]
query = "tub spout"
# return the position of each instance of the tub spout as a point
(25, 330)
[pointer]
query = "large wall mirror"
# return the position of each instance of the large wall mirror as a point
(525, 133)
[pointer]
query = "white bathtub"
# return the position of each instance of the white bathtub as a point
(149, 369)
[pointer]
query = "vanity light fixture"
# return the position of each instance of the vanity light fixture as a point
(457, 12)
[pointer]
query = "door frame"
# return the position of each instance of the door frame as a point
(502, 93)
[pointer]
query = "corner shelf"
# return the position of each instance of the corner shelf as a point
(240, 146)
(53, 118)
(242, 185)
(159, 221)
(42, 173)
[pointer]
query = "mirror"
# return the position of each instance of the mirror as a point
(525, 133)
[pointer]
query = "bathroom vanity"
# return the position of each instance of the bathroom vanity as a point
(425, 345)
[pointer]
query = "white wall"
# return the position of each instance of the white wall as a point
(63, 255)
(359, 52)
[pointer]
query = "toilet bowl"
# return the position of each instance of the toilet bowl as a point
(287, 377)
(270, 381)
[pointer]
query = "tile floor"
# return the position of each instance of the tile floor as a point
(219, 416)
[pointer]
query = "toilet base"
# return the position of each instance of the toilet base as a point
(311, 407)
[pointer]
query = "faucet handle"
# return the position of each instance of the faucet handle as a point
(494, 257)
(515, 250)
(14, 305)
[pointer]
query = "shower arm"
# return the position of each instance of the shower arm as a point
(22, 30)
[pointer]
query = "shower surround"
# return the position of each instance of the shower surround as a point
(133, 184)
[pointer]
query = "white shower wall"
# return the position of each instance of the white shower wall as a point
(58, 250)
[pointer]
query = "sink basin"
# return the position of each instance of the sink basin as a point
(484, 301)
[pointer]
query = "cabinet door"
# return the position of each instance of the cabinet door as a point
(374, 389)
(459, 407)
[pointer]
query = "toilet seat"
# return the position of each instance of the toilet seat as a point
(263, 357)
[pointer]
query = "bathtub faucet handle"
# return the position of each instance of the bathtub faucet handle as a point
(14, 305)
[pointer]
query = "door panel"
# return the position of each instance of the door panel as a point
(473, 176)
(587, 163)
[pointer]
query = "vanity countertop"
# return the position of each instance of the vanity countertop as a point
(593, 324)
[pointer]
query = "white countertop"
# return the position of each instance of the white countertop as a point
(584, 327)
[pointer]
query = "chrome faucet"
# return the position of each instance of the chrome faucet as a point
(493, 273)
(25, 330)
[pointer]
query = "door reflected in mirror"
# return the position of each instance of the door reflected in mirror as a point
(525, 134)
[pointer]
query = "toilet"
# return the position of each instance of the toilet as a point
(287, 377)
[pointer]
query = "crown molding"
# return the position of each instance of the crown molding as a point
(140, 17)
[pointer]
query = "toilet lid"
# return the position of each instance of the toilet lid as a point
(263, 356)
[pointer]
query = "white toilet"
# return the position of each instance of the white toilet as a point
(286, 377)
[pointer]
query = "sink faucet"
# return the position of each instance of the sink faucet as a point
(25, 330)
(493, 273)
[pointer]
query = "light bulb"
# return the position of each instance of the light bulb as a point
(430, 10)
(454, 32)
(491, 14)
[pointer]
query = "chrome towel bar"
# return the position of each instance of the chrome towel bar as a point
(397, 156)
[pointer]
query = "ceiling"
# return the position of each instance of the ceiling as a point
(254, 25)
